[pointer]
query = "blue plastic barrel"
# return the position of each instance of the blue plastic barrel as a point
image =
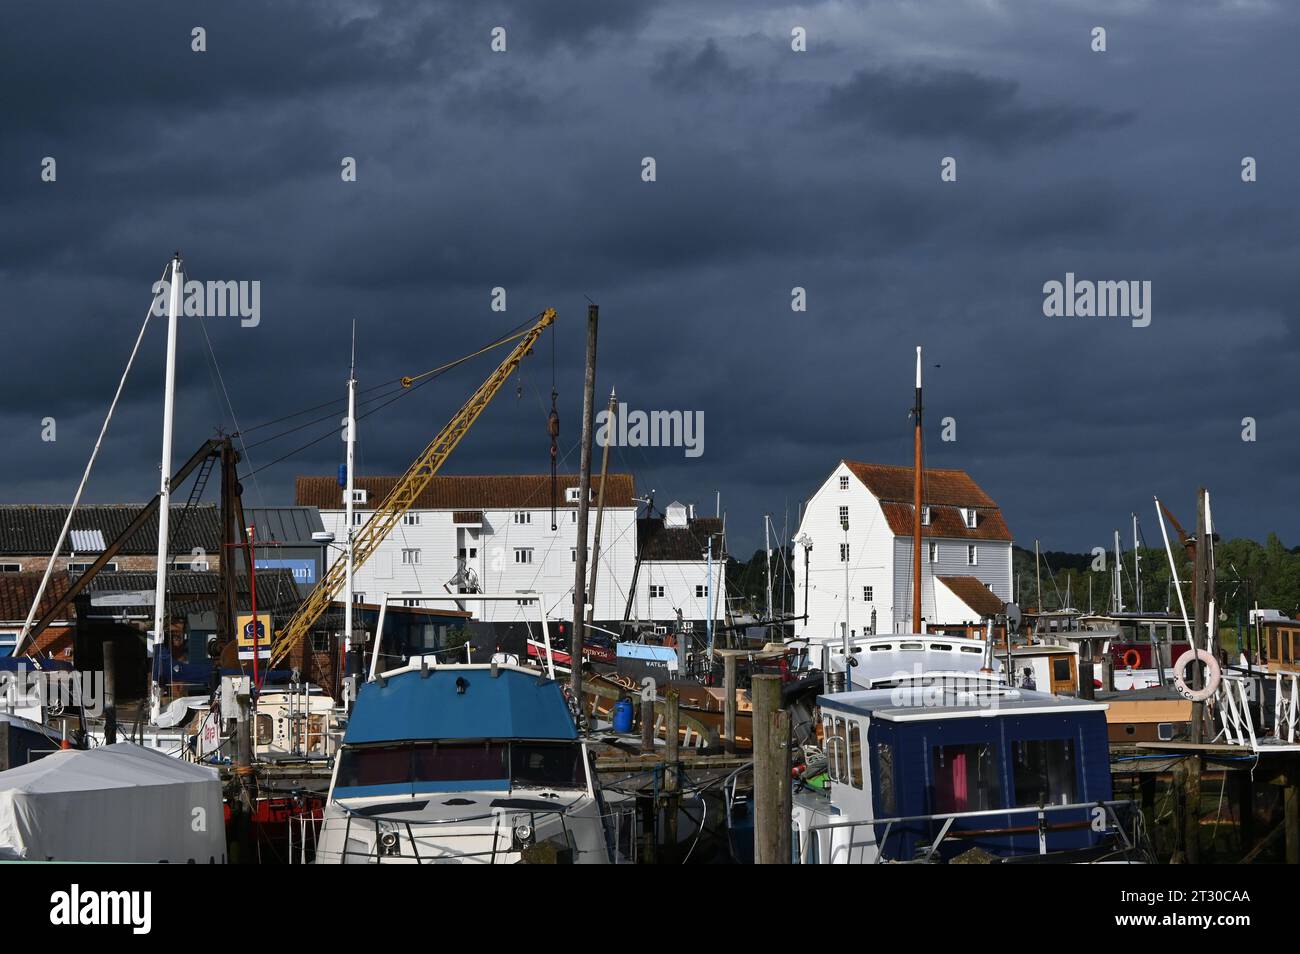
(623, 715)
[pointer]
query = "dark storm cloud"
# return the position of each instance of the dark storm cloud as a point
(927, 103)
(701, 70)
(775, 169)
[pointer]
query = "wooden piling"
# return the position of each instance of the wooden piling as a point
(729, 702)
(672, 782)
(110, 694)
(1291, 817)
(648, 723)
(771, 772)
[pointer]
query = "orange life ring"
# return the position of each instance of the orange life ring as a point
(1132, 658)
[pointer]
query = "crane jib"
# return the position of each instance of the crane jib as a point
(403, 495)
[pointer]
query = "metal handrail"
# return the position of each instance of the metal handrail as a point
(1041, 811)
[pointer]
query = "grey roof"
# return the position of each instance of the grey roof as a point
(32, 529)
(191, 591)
(285, 524)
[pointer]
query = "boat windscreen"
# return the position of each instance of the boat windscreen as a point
(409, 766)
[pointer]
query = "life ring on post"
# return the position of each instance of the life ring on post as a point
(1132, 658)
(1212, 675)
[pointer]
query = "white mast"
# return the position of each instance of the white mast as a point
(351, 439)
(165, 485)
(767, 550)
(1117, 596)
(1137, 568)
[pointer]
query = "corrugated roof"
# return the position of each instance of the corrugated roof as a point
(190, 591)
(284, 524)
(974, 594)
(32, 529)
(657, 542)
(504, 492)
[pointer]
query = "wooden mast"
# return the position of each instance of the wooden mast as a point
(916, 501)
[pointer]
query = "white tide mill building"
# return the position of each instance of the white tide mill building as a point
(965, 567)
(488, 534)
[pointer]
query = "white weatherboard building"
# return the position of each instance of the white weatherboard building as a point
(488, 534)
(965, 567)
(675, 569)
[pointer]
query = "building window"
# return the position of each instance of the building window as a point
(473, 553)
(321, 643)
(867, 594)
(699, 591)
(410, 556)
(573, 554)
(656, 591)
(411, 519)
(523, 554)
(844, 517)
(573, 516)
(972, 518)
(934, 553)
(523, 516)
(356, 518)
(925, 516)
(410, 602)
(11, 568)
(844, 553)
(688, 626)
(358, 496)
(358, 597)
(109, 567)
(972, 558)
(844, 483)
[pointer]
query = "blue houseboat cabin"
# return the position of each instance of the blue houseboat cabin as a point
(918, 753)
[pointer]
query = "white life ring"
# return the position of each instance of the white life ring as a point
(1212, 675)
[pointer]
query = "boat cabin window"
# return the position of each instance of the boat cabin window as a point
(1061, 669)
(835, 744)
(855, 754)
(1044, 772)
(524, 764)
(885, 779)
(965, 778)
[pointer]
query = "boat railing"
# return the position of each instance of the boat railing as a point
(377, 852)
(1104, 818)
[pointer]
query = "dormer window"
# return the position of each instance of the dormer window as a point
(358, 496)
(925, 516)
(572, 494)
(844, 483)
(971, 517)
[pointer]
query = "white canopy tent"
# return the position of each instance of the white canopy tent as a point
(116, 803)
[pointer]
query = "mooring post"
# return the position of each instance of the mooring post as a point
(729, 702)
(647, 723)
(771, 772)
(1291, 813)
(110, 694)
(672, 725)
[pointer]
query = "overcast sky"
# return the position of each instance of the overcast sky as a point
(774, 169)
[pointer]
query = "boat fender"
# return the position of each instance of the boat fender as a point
(1212, 675)
(1132, 658)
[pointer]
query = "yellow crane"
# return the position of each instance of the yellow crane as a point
(404, 493)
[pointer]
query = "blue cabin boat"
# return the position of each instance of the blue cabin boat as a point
(925, 772)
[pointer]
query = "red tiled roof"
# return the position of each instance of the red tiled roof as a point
(974, 594)
(945, 492)
(17, 590)
(467, 516)
(505, 492)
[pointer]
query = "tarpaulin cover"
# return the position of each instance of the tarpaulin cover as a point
(119, 802)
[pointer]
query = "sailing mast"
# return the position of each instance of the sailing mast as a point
(348, 654)
(165, 490)
(916, 501)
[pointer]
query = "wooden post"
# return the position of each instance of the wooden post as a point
(648, 723)
(110, 694)
(1086, 689)
(729, 703)
(672, 725)
(1192, 811)
(771, 772)
(600, 507)
(584, 501)
(1291, 811)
